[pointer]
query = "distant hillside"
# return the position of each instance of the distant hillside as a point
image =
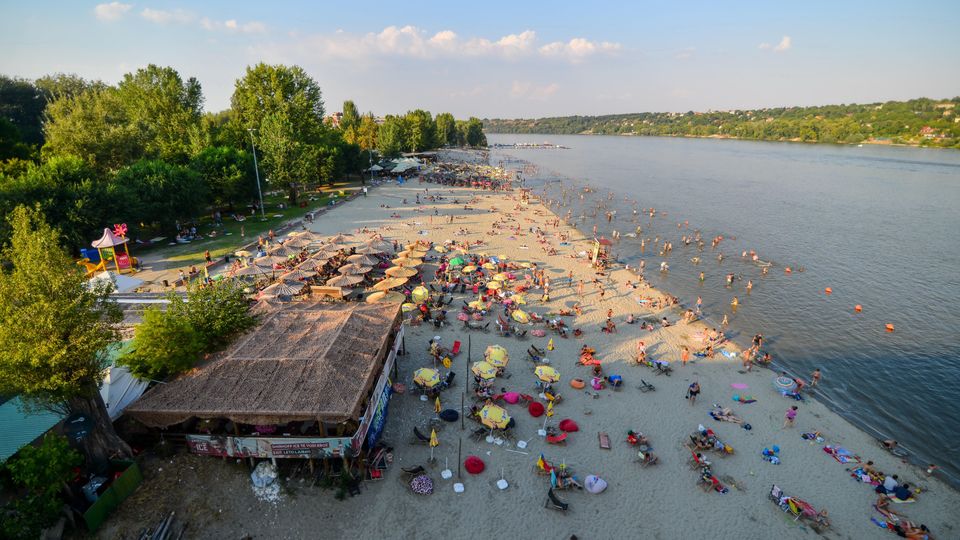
(923, 122)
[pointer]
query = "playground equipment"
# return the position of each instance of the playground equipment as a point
(107, 249)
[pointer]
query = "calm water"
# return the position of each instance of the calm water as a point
(878, 225)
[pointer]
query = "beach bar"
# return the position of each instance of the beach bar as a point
(311, 381)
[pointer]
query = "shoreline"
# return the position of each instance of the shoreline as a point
(806, 471)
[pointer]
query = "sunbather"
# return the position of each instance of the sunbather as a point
(726, 415)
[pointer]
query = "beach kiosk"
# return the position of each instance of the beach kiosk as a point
(601, 254)
(107, 246)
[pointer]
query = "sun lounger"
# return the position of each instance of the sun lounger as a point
(645, 386)
(604, 439)
(555, 502)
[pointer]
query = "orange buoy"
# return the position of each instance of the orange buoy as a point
(787, 270)
(828, 290)
(858, 308)
(889, 327)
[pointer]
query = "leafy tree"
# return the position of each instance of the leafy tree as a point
(54, 331)
(61, 85)
(42, 471)
(368, 132)
(446, 129)
(11, 144)
(165, 343)
(288, 159)
(392, 136)
(157, 192)
(228, 173)
(421, 131)
(164, 108)
(267, 90)
(94, 126)
(350, 122)
(22, 104)
(473, 133)
(218, 311)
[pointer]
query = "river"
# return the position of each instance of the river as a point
(877, 225)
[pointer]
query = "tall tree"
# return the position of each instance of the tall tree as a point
(157, 192)
(392, 136)
(92, 125)
(228, 173)
(446, 129)
(266, 90)
(288, 160)
(474, 133)
(368, 132)
(421, 131)
(65, 85)
(22, 104)
(54, 332)
(350, 122)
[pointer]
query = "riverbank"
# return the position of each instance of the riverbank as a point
(662, 500)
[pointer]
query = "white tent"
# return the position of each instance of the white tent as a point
(119, 389)
(121, 283)
(375, 168)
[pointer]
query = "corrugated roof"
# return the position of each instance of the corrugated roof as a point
(18, 428)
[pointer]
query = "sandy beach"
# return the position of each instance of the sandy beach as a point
(659, 501)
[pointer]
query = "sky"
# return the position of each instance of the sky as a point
(516, 59)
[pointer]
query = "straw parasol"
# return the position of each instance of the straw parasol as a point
(369, 250)
(269, 260)
(338, 239)
(310, 264)
(404, 261)
(400, 271)
(297, 274)
(389, 283)
(363, 260)
(283, 288)
(252, 270)
(354, 269)
(412, 254)
(344, 281)
(298, 242)
(381, 245)
(331, 248)
(547, 374)
(282, 251)
(386, 297)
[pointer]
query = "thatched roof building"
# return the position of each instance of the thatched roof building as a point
(305, 361)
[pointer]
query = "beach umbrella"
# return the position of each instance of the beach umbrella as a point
(242, 254)
(477, 304)
(408, 307)
(547, 374)
(283, 288)
(494, 285)
(489, 266)
(392, 297)
(521, 316)
(496, 356)
(525, 265)
(354, 269)
(468, 269)
(440, 249)
(269, 260)
(404, 261)
(434, 441)
(369, 250)
(400, 271)
(412, 254)
(297, 274)
(484, 370)
(494, 416)
(330, 248)
(344, 281)
(426, 377)
(298, 242)
(389, 283)
(519, 298)
(310, 264)
(252, 270)
(456, 261)
(363, 260)
(338, 239)
(500, 277)
(282, 251)
(419, 294)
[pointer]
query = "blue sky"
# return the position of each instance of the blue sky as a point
(510, 59)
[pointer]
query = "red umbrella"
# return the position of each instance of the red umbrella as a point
(474, 465)
(535, 408)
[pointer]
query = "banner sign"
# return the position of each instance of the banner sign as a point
(267, 447)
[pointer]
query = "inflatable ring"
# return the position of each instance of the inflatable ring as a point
(577, 383)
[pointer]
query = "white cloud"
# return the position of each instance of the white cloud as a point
(113, 11)
(577, 49)
(160, 16)
(685, 54)
(530, 91)
(785, 44)
(413, 42)
(231, 25)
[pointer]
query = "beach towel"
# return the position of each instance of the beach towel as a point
(728, 354)
(744, 399)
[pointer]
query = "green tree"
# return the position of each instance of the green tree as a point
(65, 85)
(218, 311)
(42, 472)
(157, 192)
(228, 173)
(55, 331)
(393, 136)
(474, 133)
(421, 131)
(165, 343)
(22, 104)
(446, 130)
(288, 159)
(350, 122)
(267, 90)
(368, 132)
(92, 125)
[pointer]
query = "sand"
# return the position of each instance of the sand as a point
(661, 501)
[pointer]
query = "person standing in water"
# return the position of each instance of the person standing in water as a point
(702, 277)
(815, 377)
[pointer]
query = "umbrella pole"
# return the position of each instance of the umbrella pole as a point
(462, 397)
(459, 456)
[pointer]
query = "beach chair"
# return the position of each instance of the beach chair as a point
(776, 494)
(419, 438)
(645, 386)
(646, 458)
(554, 502)
(455, 350)
(557, 438)
(503, 327)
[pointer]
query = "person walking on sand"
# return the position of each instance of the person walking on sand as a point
(580, 289)
(725, 321)
(684, 355)
(692, 392)
(641, 352)
(815, 378)
(790, 417)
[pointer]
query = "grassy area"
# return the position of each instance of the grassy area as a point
(228, 237)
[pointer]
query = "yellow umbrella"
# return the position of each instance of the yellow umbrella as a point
(408, 307)
(494, 416)
(500, 277)
(494, 285)
(426, 377)
(521, 316)
(525, 265)
(385, 297)
(477, 304)
(468, 269)
(400, 271)
(547, 374)
(419, 294)
(489, 266)
(484, 370)
(436, 409)
(519, 298)
(389, 283)
(434, 441)
(496, 356)
(440, 249)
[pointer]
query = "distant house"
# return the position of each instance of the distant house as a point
(928, 132)
(334, 119)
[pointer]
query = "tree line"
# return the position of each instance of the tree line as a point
(923, 121)
(144, 152)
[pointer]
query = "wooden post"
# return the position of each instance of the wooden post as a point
(469, 349)
(462, 394)
(459, 456)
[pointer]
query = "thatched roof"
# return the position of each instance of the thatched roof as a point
(305, 361)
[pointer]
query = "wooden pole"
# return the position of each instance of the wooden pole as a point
(459, 456)
(462, 394)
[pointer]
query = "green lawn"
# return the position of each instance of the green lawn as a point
(228, 237)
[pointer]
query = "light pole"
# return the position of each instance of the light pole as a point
(256, 170)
